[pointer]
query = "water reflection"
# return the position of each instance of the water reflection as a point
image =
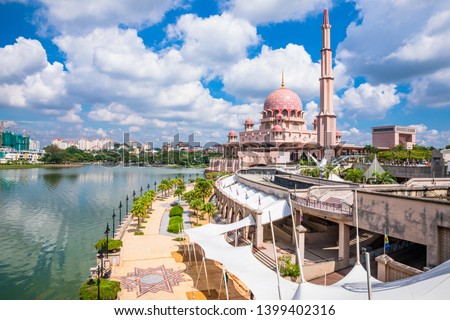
(51, 219)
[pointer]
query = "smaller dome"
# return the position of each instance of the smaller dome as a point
(338, 133)
(277, 128)
(249, 121)
(232, 133)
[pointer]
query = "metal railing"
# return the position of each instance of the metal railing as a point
(342, 208)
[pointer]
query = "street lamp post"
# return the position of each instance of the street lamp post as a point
(107, 234)
(114, 217)
(126, 200)
(148, 186)
(120, 212)
(134, 195)
(100, 256)
(141, 191)
(98, 282)
(155, 185)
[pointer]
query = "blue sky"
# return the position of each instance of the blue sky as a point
(72, 69)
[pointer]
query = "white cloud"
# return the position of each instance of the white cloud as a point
(44, 88)
(268, 11)
(79, 16)
(102, 133)
(428, 44)
(17, 61)
(254, 79)
(213, 42)
(114, 64)
(355, 136)
(367, 101)
(431, 137)
(311, 111)
(134, 129)
(432, 90)
(71, 115)
(397, 40)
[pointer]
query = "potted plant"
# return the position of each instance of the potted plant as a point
(287, 268)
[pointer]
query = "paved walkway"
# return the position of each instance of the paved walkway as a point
(154, 266)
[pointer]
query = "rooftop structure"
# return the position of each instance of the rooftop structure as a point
(391, 136)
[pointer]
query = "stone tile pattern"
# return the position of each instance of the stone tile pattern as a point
(152, 280)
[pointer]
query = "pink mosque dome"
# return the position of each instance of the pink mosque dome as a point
(232, 133)
(283, 98)
(249, 121)
(277, 128)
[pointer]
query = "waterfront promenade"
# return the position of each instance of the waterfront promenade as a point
(154, 266)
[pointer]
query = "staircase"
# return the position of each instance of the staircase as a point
(264, 259)
(365, 239)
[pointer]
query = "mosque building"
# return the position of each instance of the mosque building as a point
(282, 135)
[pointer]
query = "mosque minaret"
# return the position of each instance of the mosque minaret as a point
(326, 120)
(282, 135)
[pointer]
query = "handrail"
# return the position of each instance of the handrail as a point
(342, 207)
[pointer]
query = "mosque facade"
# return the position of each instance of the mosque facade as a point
(282, 135)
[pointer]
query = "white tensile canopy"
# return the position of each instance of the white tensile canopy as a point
(431, 285)
(263, 282)
(240, 261)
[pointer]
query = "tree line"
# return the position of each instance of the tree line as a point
(55, 155)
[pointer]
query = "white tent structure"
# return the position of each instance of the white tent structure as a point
(247, 268)
(375, 167)
(433, 285)
(263, 282)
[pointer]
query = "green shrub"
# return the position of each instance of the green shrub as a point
(108, 289)
(175, 219)
(113, 244)
(287, 267)
(139, 233)
(173, 228)
(176, 211)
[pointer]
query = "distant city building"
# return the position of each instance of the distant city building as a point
(166, 146)
(177, 144)
(35, 145)
(85, 144)
(25, 156)
(391, 136)
(16, 142)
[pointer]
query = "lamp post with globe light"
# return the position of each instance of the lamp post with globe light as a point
(120, 212)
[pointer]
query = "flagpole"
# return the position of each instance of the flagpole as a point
(357, 228)
(384, 242)
(276, 256)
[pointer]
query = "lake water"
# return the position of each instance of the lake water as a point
(50, 220)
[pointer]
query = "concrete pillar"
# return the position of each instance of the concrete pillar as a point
(259, 232)
(301, 231)
(382, 267)
(344, 240)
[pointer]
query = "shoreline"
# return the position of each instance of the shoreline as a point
(78, 165)
(37, 166)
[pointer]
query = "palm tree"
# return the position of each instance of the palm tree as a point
(354, 175)
(180, 191)
(209, 208)
(382, 178)
(138, 211)
(204, 188)
(164, 186)
(196, 204)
